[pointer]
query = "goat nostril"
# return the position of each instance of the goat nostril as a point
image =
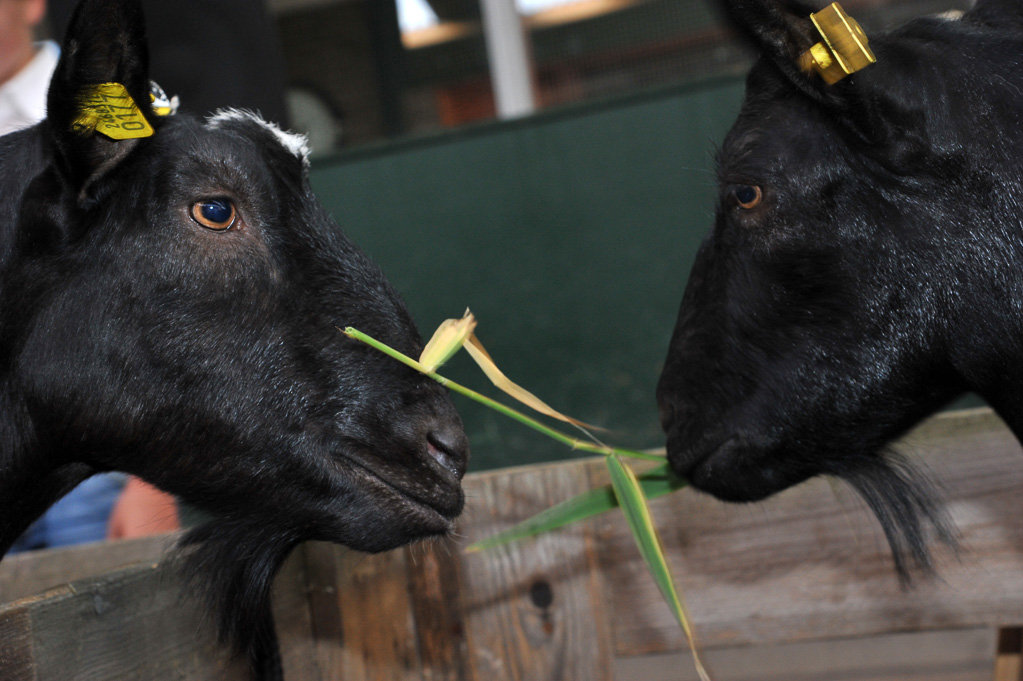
(449, 447)
(440, 456)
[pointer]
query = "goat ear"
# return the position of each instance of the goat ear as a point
(814, 50)
(98, 103)
(884, 109)
(782, 31)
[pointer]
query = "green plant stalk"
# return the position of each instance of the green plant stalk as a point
(511, 413)
(629, 491)
(655, 482)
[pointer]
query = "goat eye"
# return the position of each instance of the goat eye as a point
(747, 196)
(218, 214)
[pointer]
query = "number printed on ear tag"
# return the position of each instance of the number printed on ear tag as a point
(109, 109)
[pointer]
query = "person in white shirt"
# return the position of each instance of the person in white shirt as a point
(25, 66)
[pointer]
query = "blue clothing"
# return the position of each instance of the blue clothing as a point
(79, 517)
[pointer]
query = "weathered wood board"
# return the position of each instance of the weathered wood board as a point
(813, 563)
(28, 574)
(123, 626)
(808, 565)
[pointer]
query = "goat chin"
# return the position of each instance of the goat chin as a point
(908, 506)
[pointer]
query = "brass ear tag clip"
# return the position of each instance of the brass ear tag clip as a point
(844, 49)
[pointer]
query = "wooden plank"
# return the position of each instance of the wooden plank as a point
(33, 572)
(533, 610)
(293, 620)
(25, 574)
(324, 608)
(804, 566)
(17, 647)
(362, 624)
(434, 588)
(1010, 650)
(957, 655)
(127, 625)
(377, 628)
(812, 564)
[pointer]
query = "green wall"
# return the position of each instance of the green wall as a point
(569, 234)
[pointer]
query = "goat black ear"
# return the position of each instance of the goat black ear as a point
(884, 109)
(782, 31)
(105, 44)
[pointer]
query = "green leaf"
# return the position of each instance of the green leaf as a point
(655, 482)
(630, 496)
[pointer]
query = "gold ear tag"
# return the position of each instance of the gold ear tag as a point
(108, 108)
(844, 49)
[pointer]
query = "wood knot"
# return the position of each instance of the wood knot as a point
(541, 594)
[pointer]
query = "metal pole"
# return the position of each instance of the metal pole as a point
(508, 52)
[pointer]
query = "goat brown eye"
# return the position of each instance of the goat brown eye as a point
(216, 214)
(747, 196)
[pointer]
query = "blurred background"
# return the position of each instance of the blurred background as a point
(547, 163)
(364, 71)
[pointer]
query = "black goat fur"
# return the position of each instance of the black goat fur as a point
(205, 361)
(864, 267)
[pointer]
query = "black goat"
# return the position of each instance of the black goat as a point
(864, 267)
(170, 309)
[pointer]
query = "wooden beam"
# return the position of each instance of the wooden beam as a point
(812, 563)
(120, 627)
(1010, 650)
(27, 574)
(808, 565)
(533, 610)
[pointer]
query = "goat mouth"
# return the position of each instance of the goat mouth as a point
(731, 470)
(690, 458)
(434, 511)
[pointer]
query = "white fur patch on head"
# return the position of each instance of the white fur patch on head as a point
(292, 141)
(950, 15)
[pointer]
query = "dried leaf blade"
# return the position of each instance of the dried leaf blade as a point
(449, 337)
(498, 378)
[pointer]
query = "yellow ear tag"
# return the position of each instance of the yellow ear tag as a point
(109, 109)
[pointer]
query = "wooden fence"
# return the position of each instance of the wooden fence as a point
(808, 565)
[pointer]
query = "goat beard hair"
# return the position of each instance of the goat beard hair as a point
(905, 502)
(230, 564)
